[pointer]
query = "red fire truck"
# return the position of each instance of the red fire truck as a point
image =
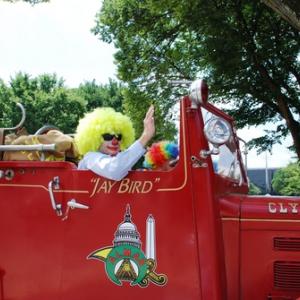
(190, 233)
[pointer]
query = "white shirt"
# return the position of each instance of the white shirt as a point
(112, 167)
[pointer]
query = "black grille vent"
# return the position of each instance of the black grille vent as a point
(287, 275)
(287, 244)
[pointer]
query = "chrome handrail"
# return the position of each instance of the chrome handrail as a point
(37, 147)
(54, 184)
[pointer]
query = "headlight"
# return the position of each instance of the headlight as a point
(199, 92)
(217, 131)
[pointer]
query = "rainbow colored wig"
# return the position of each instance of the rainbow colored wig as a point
(159, 153)
(93, 125)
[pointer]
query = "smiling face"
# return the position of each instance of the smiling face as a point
(111, 144)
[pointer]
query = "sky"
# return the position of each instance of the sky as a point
(55, 37)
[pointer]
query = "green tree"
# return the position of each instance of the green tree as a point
(59, 109)
(46, 101)
(286, 181)
(102, 95)
(129, 100)
(32, 2)
(136, 104)
(254, 190)
(247, 53)
(6, 108)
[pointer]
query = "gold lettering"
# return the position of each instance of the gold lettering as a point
(104, 187)
(294, 207)
(135, 186)
(96, 182)
(283, 210)
(272, 207)
(124, 186)
(147, 187)
(131, 187)
(110, 185)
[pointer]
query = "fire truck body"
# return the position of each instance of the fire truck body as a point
(190, 233)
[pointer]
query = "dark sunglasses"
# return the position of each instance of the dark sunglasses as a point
(109, 137)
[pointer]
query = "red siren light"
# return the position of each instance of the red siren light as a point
(198, 92)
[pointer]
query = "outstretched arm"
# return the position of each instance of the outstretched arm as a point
(117, 167)
(149, 127)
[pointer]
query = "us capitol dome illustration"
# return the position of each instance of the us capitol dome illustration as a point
(125, 260)
(127, 233)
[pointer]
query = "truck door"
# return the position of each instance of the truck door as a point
(31, 233)
(136, 240)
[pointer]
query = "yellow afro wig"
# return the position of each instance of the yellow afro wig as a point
(93, 125)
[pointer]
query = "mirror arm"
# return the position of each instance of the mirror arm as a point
(214, 151)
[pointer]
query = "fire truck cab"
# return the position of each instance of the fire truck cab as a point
(190, 233)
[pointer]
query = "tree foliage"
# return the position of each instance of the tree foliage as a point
(102, 95)
(254, 190)
(286, 181)
(48, 101)
(45, 99)
(247, 53)
(32, 2)
(136, 104)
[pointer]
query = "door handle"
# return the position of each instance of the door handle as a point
(74, 204)
(71, 204)
(54, 184)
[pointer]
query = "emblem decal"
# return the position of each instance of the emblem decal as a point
(125, 260)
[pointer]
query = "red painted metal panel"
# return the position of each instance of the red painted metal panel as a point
(265, 220)
(206, 213)
(51, 253)
(212, 241)
(54, 250)
(31, 237)
(230, 214)
(95, 229)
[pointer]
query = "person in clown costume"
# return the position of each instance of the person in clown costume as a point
(161, 156)
(105, 139)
